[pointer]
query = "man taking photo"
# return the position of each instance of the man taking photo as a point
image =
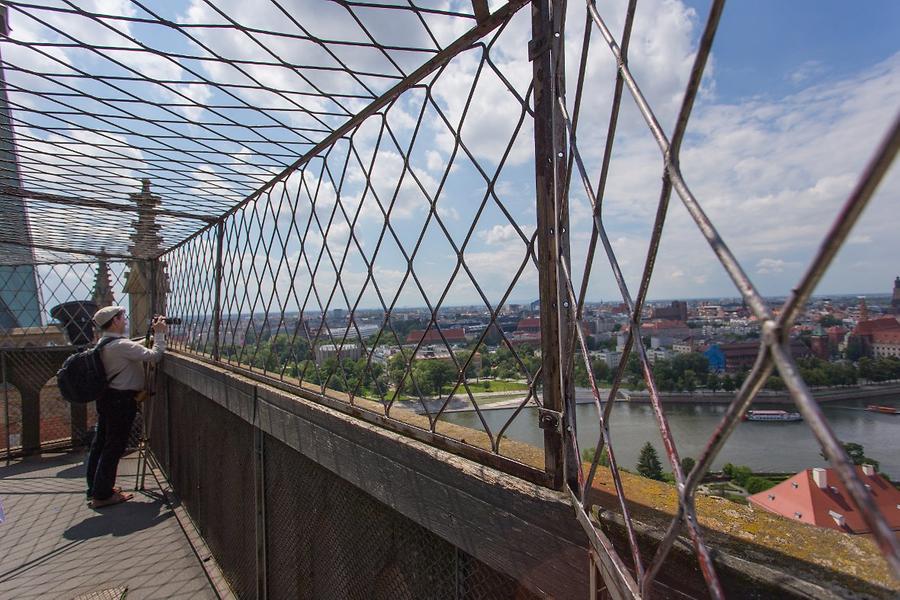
(116, 409)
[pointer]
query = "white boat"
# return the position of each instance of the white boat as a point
(772, 415)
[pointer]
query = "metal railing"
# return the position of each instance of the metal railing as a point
(301, 281)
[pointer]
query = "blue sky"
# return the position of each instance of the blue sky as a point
(763, 44)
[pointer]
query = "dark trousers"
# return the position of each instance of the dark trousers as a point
(115, 415)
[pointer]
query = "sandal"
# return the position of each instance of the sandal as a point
(116, 498)
(116, 490)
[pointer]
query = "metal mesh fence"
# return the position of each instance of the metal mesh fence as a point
(46, 315)
(311, 280)
(211, 466)
(344, 544)
(11, 419)
(322, 537)
(774, 347)
(297, 240)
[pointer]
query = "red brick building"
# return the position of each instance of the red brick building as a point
(865, 332)
(740, 356)
(529, 326)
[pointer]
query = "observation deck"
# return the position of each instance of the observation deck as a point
(343, 204)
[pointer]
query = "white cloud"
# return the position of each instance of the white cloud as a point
(806, 71)
(502, 234)
(772, 176)
(770, 265)
(435, 160)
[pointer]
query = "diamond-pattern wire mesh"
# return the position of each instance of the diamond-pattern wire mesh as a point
(774, 350)
(47, 310)
(316, 271)
(211, 466)
(192, 279)
(342, 543)
(207, 105)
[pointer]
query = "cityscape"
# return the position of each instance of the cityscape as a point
(392, 241)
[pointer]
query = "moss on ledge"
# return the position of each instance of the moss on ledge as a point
(845, 561)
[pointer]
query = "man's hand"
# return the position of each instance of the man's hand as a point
(159, 325)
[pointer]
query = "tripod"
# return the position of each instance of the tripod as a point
(143, 445)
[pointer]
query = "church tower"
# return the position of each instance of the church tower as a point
(895, 299)
(103, 294)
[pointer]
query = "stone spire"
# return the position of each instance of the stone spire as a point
(863, 309)
(146, 241)
(146, 245)
(103, 294)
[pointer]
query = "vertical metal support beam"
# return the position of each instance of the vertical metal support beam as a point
(152, 269)
(30, 392)
(168, 420)
(259, 451)
(545, 52)
(217, 299)
(5, 404)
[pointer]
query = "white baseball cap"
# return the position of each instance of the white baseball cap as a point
(107, 314)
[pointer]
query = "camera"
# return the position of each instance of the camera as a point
(171, 321)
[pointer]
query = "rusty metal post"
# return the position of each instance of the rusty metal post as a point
(545, 52)
(152, 269)
(217, 299)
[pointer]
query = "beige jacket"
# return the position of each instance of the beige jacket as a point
(123, 360)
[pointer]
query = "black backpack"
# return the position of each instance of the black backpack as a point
(82, 377)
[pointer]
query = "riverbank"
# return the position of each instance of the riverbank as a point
(872, 391)
(503, 400)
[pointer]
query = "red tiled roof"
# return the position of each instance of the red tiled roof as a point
(800, 499)
(886, 337)
(882, 324)
(529, 324)
(452, 336)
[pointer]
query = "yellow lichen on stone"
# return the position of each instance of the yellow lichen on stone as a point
(729, 527)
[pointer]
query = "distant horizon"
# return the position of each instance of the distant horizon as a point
(736, 299)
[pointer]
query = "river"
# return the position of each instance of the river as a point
(762, 446)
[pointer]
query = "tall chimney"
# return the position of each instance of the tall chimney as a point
(820, 476)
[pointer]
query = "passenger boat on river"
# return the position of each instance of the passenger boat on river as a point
(772, 415)
(888, 410)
